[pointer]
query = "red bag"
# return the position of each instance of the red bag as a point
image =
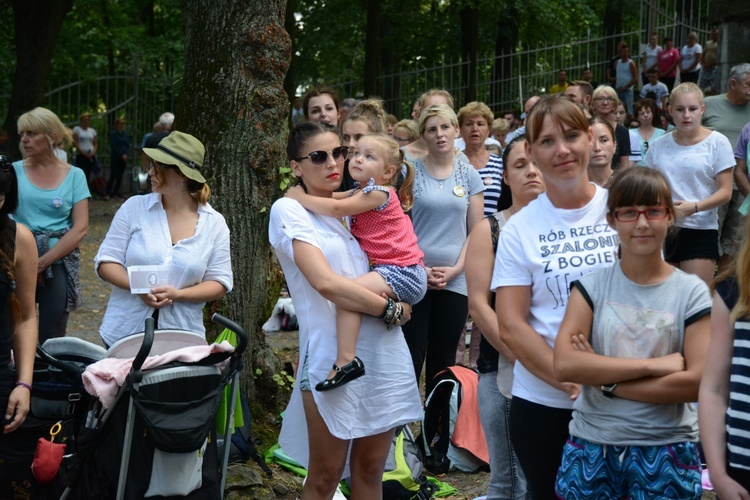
(48, 456)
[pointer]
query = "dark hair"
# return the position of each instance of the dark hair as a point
(598, 120)
(304, 132)
(506, 196)
(639, 186)
(315, 93)
(650, 104)
(9, 188)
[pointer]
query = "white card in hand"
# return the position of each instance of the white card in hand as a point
(144, 278)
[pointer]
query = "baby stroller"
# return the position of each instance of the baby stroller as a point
(57, 396)
(157, 435)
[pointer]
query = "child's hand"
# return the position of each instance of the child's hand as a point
(580, 343)
(295, 192)
(665, 365)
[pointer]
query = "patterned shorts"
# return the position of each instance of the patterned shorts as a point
(408, 283)
(591, 470)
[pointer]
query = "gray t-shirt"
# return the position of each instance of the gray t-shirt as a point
(638, 321)
(439, 215)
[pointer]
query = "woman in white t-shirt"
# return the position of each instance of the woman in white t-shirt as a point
(690, 63)
(555, 239)
(86, 143)
(698, 163)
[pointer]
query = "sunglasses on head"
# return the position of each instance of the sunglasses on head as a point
(321, 157)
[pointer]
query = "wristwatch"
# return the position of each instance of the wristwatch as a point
(608, 390)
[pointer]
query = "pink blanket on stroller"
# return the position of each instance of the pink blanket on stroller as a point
(103, 378)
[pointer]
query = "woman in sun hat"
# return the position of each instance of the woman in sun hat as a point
(174, 228)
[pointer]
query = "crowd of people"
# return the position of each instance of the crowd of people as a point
(581, 237)
(583, 254)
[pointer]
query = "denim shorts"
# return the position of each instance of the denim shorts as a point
(408, 283)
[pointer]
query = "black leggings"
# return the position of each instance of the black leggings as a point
(436, 324)
(538, 434)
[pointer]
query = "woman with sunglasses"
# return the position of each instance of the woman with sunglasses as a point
(346, 432)
(635, 335)
(448, 203)
(18, 326)
(173, 227)
(605, 104)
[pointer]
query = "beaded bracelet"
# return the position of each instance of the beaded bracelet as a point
(23, 384)
(392, 314)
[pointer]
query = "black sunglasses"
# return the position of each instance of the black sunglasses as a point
(321, 157)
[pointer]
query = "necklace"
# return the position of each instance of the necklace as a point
(428, 162)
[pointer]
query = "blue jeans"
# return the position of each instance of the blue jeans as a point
(506, 477)
(626, 97)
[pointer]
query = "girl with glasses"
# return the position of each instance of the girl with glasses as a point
(352, 427)
(698, 163)
(635, 335)
(384, 232)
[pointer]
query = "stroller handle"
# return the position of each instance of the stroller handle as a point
(228, 323)
(148, 341)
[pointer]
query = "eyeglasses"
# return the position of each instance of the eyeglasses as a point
(632, 215)
(605, 99)
(321, 157)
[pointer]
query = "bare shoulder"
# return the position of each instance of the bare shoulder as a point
(24, 238)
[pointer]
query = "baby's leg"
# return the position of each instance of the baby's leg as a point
(348, 322)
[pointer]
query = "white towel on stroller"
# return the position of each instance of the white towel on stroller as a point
(103, 378)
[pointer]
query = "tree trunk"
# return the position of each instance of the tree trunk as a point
(236, 55)
(372, 48)
(37, 25)
(613, 13)
(290, 81)
(734, 36)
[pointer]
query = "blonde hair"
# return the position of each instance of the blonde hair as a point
(740, 270)
(394, 155)
(684, 89)
(199, 190)
(441, 110)
(606, 89)
(44, 121)
(475, 108)
(409, 127)
(500, 125)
